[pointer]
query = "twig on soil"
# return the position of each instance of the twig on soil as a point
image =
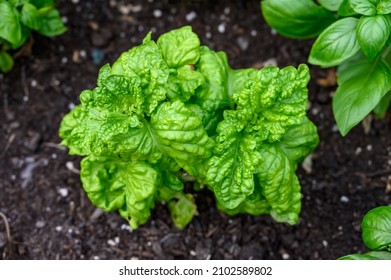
(379, 173)
(24, 84)
(8, 145)
(7, 227)
(54, 145)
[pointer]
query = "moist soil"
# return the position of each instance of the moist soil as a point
(50, 216)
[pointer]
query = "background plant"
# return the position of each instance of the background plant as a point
(18, 18)
(353, 35)
(173, 111)
(376, 234)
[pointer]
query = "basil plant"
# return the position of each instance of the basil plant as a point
(170, 112)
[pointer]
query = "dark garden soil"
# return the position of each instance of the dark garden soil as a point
(50, 216)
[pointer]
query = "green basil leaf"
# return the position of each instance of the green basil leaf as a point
(372, 34)
(52, 24)
(6, 62)
(368, 256)
(296, 19)
(376, 228)
(272, 102)
(213, 94)
(280, 185)
(112, 184)
(254, 204)
(182, 210)
(186, 50)
(31, 17)
(10, 29)
(231, 168)
(336, 44)
(147, 63)
(384, 7)
(300, 140)
(331, 5)
(364, 7)
(359, 91)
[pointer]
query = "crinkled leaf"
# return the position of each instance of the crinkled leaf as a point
(274, 101)
(296, 19)
(93, 131)
(335, 44)
(360, 89)
(231, 168)
(372, 34)
(30, 16)
(112, 184)
(146, 62)
(169, 187)
(376, 228)
(10, 29)
(179, 132)
(300, 140)
(184, 82)
(6, 62)
(254, 204)
(51, 23)
(331, 5)
(368, 256)
(180, 47)
(182, 210)
(280, 186)
(117, 93)
(213, 94)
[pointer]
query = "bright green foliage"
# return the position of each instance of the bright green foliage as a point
(356, 28)
(173, 110)
(18, 17)
(376, 233)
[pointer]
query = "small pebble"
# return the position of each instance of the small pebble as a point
(243, 43)
(325, 243)
(190, 16)
(64, 60)
(25, 98)
(208, 35)
(40, 224)
(97, 56)
(369, 148)
(71, 106)
(111, 242)
(221, 27)
(193, 253)
(75, 1)
(96, 258)
(58, 228)
(253, 33)
(344, 199)
(285, 256)
(34, 83)
(157, 13)
(358, 151)
(63, 192)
